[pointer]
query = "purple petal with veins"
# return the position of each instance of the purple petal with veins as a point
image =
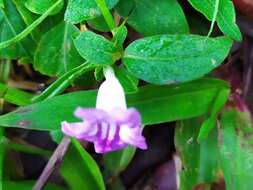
(109, 131)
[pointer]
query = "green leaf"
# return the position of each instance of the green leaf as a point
(80, 10)
(151, 17)
(80, 170)
(11, 24)
(199, 159)
(26, 185)
(32, 24)
(171, 102)
(117, 161)
(99, 75)
(60, 55)
(56, 135)
(99, 24)
(210, 123)
(28, 18)
(5, 69)
(127, 80)
(236, 153)
(96, 49)
(1, 4)
(41, 6)
(14, 96)
(165, 59)
(225, 16)
(119, 36)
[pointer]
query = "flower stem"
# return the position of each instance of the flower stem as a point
(106, 13)
(30, 28)
(109, 72)
(64, 81)
(53, 163)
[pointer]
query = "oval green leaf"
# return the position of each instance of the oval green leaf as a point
(225, 17)
(127, 80)
(80, 10)
(56, 53)
(41, 6)
(96, 49)
(165, 59)
(151, 17)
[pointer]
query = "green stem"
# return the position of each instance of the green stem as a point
(30, 28)
(106, 13)
(63, 82)
(4, 69)
(215, 13)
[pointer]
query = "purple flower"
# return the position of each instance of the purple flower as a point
(110, 126)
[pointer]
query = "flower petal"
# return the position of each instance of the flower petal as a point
(103, 147)
(90, 115)
(133, 136)
(130, 116)
(80, 130)
(110, 93)
(109, 131)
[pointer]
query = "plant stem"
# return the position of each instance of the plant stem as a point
(63, 82)
(5, 66)
(106, 13)
(53, 163)
(30, 28)
(215, 13)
